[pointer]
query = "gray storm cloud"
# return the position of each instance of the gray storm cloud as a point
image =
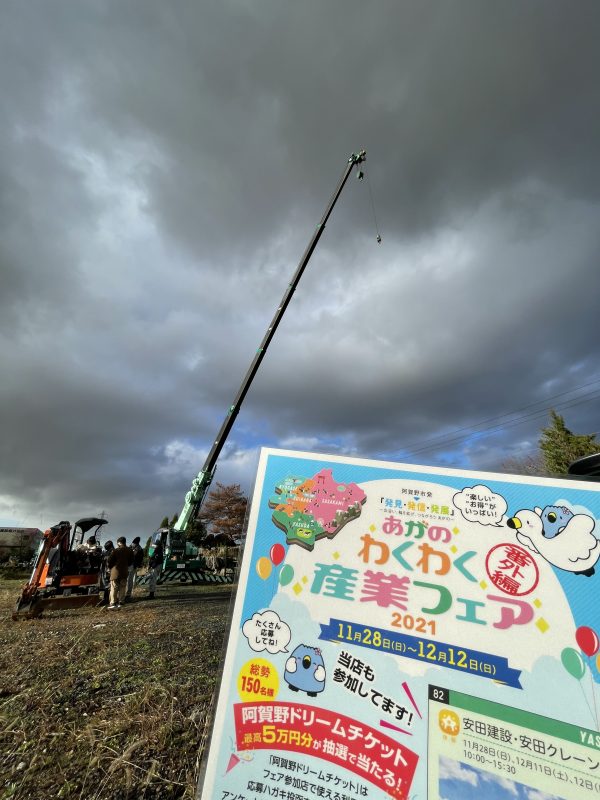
(161, 171)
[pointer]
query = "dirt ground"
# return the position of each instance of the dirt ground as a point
(108, 705)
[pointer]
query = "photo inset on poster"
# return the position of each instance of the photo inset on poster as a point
(479, 748)
(460, 781)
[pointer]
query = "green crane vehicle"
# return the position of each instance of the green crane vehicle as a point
(180, 564)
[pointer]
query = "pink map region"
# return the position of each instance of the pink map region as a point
(331, 499)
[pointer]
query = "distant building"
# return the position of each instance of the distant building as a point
(19, 542)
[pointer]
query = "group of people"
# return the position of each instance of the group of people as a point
(121, 564)
(119, 569)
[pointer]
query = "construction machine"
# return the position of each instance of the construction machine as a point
(181, 562)
(181, 565)
(67, 572)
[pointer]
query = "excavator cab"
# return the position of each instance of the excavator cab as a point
(67, 571)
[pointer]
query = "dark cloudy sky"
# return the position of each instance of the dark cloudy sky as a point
(162, 168)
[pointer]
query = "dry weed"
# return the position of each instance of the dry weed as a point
(108, 705)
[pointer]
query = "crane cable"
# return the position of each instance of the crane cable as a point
(373, 209)
(360, 174)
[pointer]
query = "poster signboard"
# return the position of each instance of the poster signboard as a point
(411, 632)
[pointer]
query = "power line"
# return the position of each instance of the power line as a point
(450, 438)
(506, 414)
(539, 414)
(535, 415)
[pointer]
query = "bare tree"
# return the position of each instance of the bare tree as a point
(224, 511)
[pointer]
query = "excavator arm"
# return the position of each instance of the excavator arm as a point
(55, 536)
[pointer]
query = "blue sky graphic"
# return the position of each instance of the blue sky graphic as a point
(459, 781)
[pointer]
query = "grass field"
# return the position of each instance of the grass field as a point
(108, 705)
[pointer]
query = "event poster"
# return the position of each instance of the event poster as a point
(411, 632)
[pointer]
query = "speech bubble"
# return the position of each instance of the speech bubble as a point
(480, 504)
(268, 632)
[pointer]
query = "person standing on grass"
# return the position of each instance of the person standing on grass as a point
(105, 572)
(138, 560)
(155, 564)
(118, 563)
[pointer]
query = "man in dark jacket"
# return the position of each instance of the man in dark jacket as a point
(105, 572)
(138, 560)
(118, 563)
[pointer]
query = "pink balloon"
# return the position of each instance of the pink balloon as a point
(587, 639)
(277, 553)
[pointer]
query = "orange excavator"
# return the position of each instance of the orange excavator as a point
(67, 573)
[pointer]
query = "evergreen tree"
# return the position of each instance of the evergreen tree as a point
(560, 447)
(164, 523)
(225, 510)
(174, 520)
(196, 532)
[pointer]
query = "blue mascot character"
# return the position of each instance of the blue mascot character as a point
(555, 520)
(305, 670)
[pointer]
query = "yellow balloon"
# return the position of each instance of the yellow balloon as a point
(598, 662)
(263, 567)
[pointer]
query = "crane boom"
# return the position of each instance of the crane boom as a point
(200, 484)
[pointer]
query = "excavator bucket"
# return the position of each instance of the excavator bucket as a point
(30, 608)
